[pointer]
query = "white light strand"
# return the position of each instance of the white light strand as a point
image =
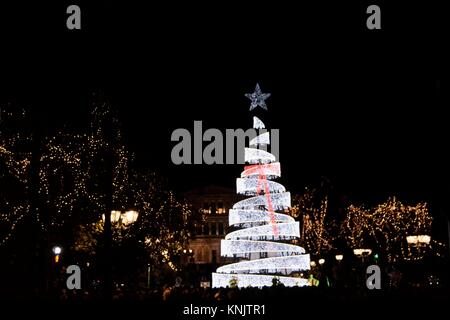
(271, 171)
(261, 139)
(229, 248)
(256, 156)
(280, 201)
(223, 280)
(270, 265)
(237, 216)
(291, 229)
(257, 123)
(249, 186)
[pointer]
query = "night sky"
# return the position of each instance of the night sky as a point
(366, 109)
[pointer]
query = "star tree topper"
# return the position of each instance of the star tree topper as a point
(257, 98)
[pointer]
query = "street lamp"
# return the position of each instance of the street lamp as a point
(339, 257)
(321, 261)
(122, 220)
(57, 252)
(148, 275)
(126, 218)
(419, 240)
(115, 216)
(129, 217)
(362, 252)
(188, 256)
(312, 264)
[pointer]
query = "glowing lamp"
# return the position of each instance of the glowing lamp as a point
(129, 217)
(362, 252)
(115, 216)
(418, 240)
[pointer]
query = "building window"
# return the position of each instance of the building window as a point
(191, 256)
(213, 228)
(206, 229)
(206, 208)
(221, 231)
(220, 208)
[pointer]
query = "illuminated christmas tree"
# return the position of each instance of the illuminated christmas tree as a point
(261, 241)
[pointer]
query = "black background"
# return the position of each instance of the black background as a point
(364, 108)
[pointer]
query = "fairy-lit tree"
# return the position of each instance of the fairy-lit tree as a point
(72, 171)
(61, 184)
(386, 227)
(358, 229)
(164, 223)
(15, 158)
(316, 230)
(394, 221)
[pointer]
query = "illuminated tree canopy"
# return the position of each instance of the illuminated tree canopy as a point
(15, 159)
(386, 226)
(74, 168)
(316, 232)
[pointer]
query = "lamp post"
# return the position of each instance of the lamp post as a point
(448, 231)
(54, 274)
(56, 252)
(419, 242)
(362, 253)
(337, 270)
(148, 275)
(188, 256)
(185, 257)
(191, 256)
(129, 217)
(123, 219)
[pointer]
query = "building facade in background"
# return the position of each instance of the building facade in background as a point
(213, 202)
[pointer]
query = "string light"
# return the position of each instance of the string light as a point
(316, 235)
(258, 224)
(14, 170)
(71, 187)
(241, 248)
(387, 227)
(246, 216)
(253, 280)
(68, 172)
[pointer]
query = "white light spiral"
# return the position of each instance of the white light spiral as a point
(258, 258)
